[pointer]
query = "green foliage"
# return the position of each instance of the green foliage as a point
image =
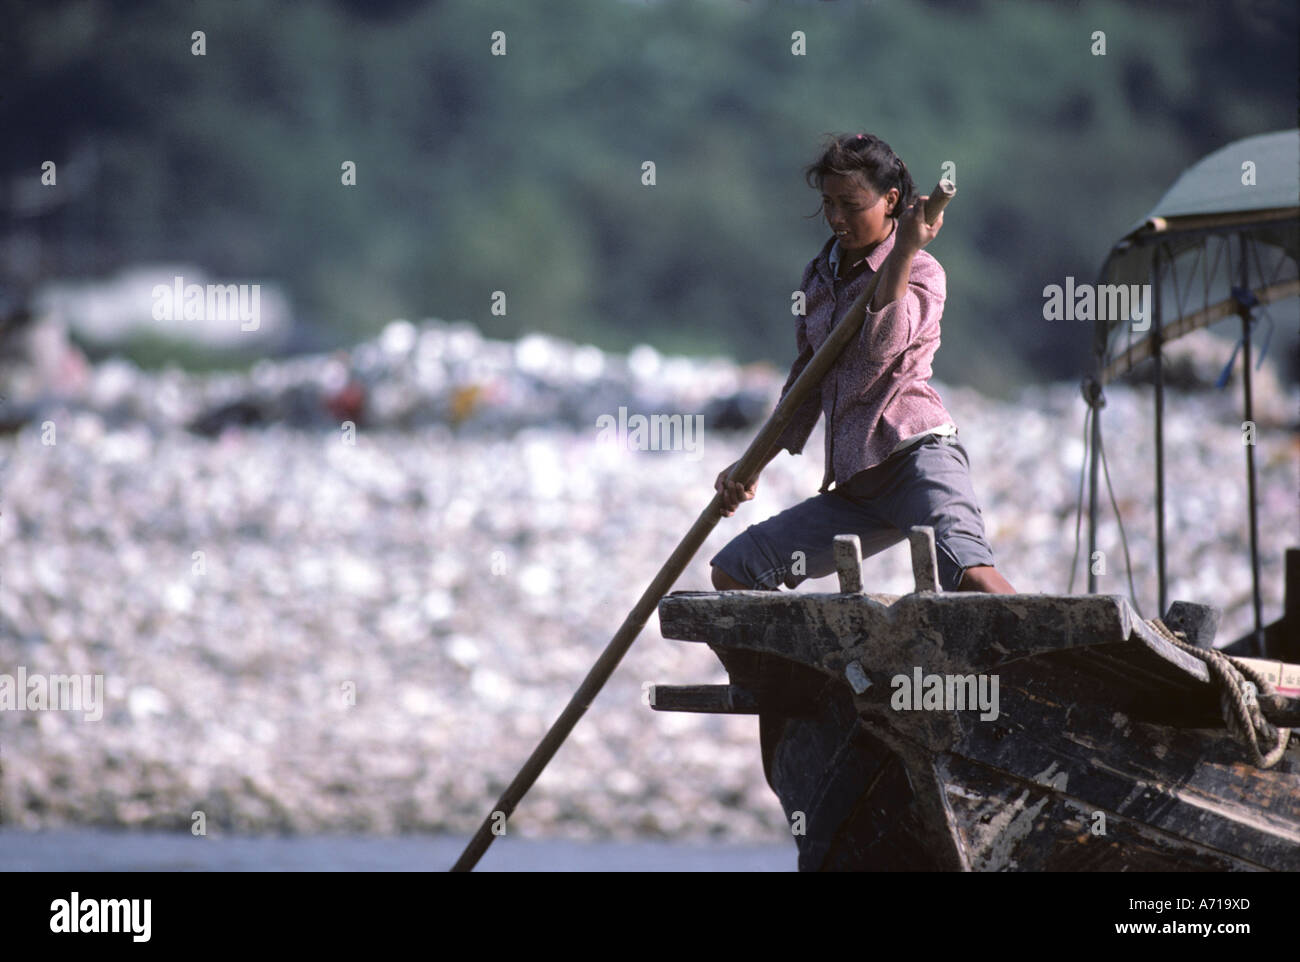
(523, 173)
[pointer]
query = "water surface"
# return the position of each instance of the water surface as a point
(95, 850)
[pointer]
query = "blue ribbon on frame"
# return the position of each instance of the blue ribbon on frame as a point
(1247, 299)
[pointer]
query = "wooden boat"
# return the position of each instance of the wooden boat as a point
(1104, 748)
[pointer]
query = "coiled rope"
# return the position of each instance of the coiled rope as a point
(1240, 690)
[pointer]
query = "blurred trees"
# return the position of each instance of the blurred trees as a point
(522, 173)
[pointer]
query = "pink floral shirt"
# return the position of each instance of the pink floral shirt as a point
(877, 393)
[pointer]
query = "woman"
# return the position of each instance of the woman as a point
(891, 445)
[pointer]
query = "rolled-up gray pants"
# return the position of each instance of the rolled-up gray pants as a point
(926, 483)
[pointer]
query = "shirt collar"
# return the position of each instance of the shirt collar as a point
(874, 259)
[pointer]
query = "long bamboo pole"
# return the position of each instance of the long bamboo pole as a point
(746, 471)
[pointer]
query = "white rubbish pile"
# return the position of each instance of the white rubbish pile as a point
(436, 373)
(297, 633)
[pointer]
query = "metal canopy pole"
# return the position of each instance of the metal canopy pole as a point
(1158, 348)
(1246, 301)
(1093, 395)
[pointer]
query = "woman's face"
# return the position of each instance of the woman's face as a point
(858, 216)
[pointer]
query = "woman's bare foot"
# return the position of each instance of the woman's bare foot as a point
(724, 582)
(985, 578)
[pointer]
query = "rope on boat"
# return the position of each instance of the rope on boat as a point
(1240, 689)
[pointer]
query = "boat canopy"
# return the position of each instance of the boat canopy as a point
(1250, 190)
(1223, 241)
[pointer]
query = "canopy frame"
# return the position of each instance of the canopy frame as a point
(1187, 240)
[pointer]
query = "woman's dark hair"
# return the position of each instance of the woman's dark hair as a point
(867, 159)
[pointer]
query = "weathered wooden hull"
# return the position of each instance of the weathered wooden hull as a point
(1108, 750)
